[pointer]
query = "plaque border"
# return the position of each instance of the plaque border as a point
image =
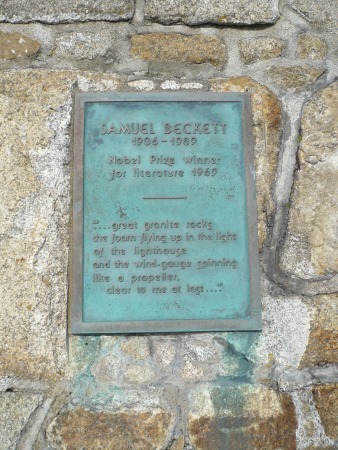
(78, 326)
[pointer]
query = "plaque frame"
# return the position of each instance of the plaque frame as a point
(78, 325)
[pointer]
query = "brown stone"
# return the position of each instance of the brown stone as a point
(261, 48)
(294, 78)
(312, 47)
(16, 45)
(311, 245)
(322, 347)
(267, 134)
(195, 49)
(35, 121)
(257, 418)
(326, 400)
(84, 429)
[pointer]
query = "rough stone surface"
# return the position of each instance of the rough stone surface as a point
(285, 332)
(195, 49)
(16, 45)
(311, 246)
(139, 374)
(165, 352)
(256, 417)
(60, 11)
(267, 133)
(294, 78)
(15, 410)
(138, 347)
(261, 48)
(106, 369)
(326, 401)
(192, 86)
(322, 15)
(191, 371)
(81, 428)
(86, 45)
(180, 391)
(34, 213)
(129, 363)
(199, 348)
(195, 12)
(322, 347)
(83, 351)
(170, 85)
(178, 444)
(142, 85)
(312, 47)
(99, 396)
(310, 431)
(202, 357)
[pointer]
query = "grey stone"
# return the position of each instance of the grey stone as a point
(15, 410)
(60, 11)
(292, 379)
(285, 332)
(165, 350)
(325, 374)
(86, 45)
(201, 357)
(200, 348)
(13, 384)
(193, 12)
(322, 15)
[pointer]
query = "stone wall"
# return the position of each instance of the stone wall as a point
(276, 389)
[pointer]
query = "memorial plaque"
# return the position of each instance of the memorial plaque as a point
(165, 227)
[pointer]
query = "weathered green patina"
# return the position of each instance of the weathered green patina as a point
(165, 221)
